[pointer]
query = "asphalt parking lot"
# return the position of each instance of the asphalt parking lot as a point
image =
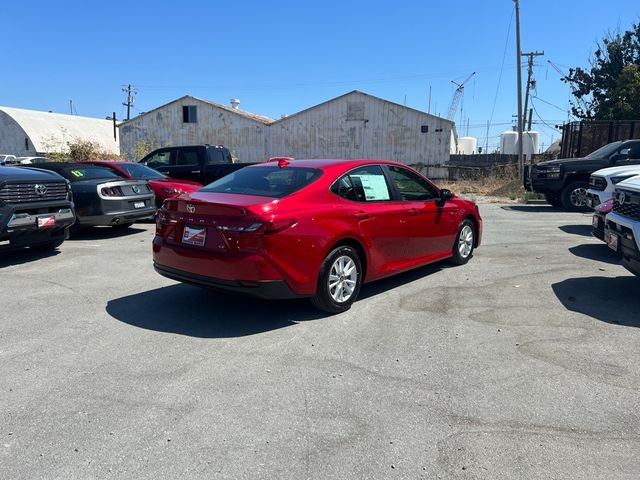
(522, 364)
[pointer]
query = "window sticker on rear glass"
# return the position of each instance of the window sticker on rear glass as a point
(375, 187)
(77, 173)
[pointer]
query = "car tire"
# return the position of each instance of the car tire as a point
(339, 281)
(46, 247)
(553, 200)
(464, 244)
(574, 196)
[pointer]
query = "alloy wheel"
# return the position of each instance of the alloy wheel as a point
(343, 278)
(465, 241)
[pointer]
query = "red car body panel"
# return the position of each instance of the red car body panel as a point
(297, 232)
(161, 186)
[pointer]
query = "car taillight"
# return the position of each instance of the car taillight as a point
(266, 227)
(241, 228)
(279, 225)
(173, 191)
(112, 192)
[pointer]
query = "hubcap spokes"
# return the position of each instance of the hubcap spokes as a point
(465, 243)
(579, 197)
(343, 278)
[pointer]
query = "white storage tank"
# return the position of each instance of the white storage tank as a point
(509, 143)
(531, 143)
(467, 145)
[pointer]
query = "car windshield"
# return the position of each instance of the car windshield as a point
(78, 173)
(136, 170)
(604, 152)
(271, 181)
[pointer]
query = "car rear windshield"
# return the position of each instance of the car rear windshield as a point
(265, 181)
(76, 174)
(135, 170)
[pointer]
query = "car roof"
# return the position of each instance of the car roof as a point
(330, 164)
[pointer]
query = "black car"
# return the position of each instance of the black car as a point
(36, 210)
(564, 182)
(102, 197)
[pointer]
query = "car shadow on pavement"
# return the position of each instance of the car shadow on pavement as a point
(380, 286)
(199, 312)
(612, 300)
(596, 251)
(532, 208)
(103, 233)
(18, 257)
(583, 230)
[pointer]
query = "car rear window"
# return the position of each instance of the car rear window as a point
(75, 174)
(265, 181)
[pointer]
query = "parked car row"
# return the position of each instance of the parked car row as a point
(280, 229)
(614, 194)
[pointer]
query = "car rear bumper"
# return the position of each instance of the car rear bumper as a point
(116, 218)
(251, 274)
(267, 289)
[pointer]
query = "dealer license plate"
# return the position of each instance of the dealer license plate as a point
(138, 205)
(612, 241)
(595, 221)
(46, 222)
(194, 236)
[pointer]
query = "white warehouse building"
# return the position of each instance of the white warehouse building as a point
(32, 133)
(354, 125)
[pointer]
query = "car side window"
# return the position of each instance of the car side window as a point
(364, 184)
(187, 156)
(160, 159)
(633, 151)
(411, 186)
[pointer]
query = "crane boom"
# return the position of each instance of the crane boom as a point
(456, 97)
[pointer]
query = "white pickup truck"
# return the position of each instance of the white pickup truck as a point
(622, 229)
(602, 183)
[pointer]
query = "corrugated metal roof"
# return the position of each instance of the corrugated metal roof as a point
(51, 132)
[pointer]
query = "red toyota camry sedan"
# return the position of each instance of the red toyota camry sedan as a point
(312, 228)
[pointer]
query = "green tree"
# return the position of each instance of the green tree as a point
(610, 89)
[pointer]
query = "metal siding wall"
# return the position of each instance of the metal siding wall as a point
(390, 131)
(243, 136)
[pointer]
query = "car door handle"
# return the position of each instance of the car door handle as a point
(362, 215)
(413, 211)
(195, 171)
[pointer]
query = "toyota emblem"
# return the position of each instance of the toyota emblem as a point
(191, 208)
(136, 189)
(621, 198)
(41, 190)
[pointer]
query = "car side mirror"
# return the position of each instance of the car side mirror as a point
(445, 194)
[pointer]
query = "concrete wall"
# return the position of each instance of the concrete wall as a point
(246, 138)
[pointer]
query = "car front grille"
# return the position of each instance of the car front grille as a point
(597, 183)
(627, 204)
(33, 192)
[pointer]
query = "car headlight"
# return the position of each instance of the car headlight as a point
(551, 172)
(616, 180)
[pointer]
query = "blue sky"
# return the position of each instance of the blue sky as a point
(280, 57)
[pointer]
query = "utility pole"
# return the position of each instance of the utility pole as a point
(519, 79)
(130, 91)
(530, 81)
